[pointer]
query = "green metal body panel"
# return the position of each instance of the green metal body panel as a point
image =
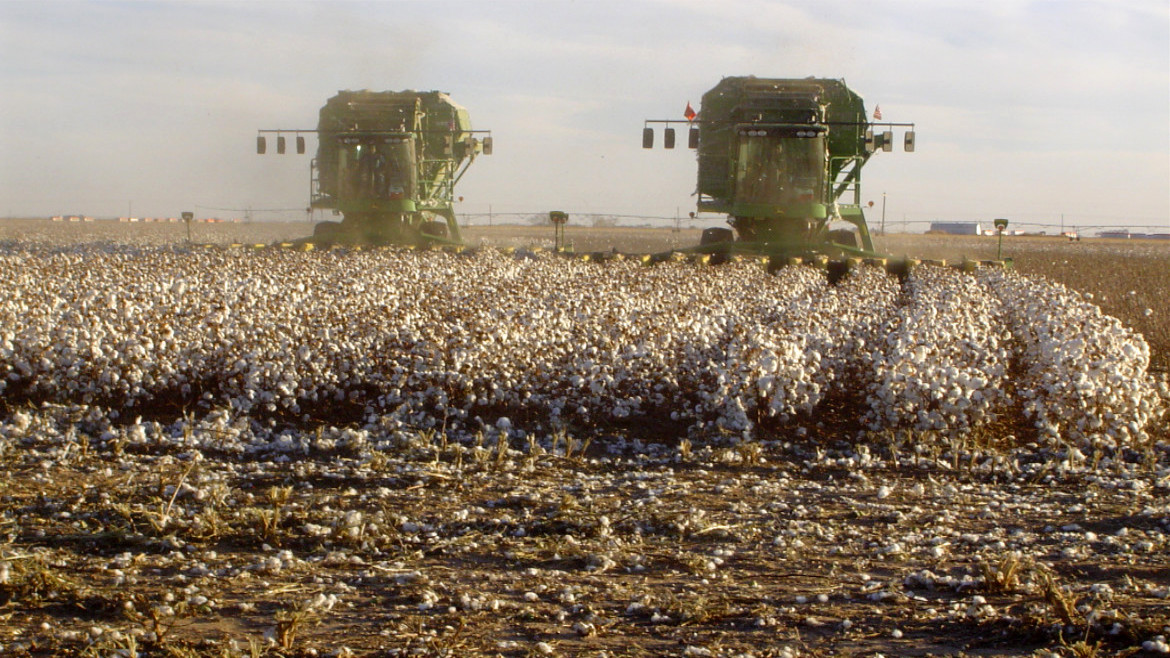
(746, 209)
(782, 157)
(388, 162)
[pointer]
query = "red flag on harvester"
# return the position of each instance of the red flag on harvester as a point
(877, 112)
(690, 113)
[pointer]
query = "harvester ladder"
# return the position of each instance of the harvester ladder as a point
(848, 178)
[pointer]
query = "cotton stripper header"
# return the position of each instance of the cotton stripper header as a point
(782, 158)
(388, 162)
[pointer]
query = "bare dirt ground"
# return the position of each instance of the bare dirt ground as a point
(631, 541)
(777, 548)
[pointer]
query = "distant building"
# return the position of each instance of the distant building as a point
(957, 228)
(1122, 234)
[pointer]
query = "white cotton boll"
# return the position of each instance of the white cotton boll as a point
(584, 629)
(1156, 645)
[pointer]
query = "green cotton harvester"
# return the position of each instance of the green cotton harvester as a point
(782, 158)
(388, 162)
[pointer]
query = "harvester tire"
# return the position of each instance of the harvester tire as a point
(434, 227)
(845, 237)
(326, 231)
(716, 235)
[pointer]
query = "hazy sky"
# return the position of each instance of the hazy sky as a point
(1025, 110)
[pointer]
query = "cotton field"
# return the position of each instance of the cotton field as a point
(242, 452)
(532, 344)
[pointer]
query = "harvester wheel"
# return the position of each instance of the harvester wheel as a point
(715, 235)
(435, 227)
(326, 231)
(845, 237)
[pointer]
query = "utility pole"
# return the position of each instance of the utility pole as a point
(883, 213)
(489, 214)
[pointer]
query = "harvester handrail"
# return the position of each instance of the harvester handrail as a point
(884, 124)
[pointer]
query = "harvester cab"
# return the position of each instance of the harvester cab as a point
(782, 159)
(388, 162)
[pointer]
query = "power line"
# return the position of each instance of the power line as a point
(301, 209)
